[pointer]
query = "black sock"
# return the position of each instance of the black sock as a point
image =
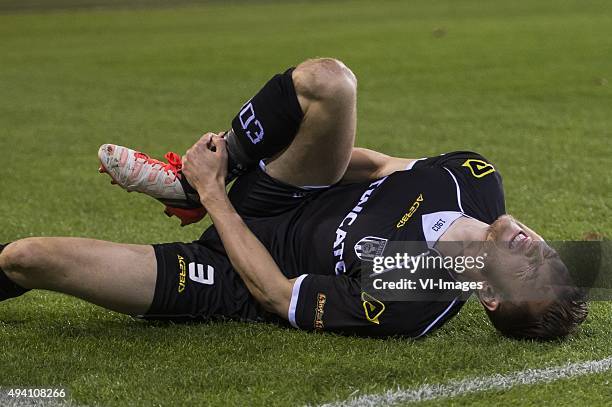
(8, 289)
(264, 127)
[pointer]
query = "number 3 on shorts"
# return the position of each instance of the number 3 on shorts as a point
(196, 273)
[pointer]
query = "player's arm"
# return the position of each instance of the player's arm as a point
(368, 164)
(206, 171)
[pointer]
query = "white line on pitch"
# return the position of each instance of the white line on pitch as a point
(478, 384)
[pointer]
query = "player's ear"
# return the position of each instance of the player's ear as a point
(488, 296)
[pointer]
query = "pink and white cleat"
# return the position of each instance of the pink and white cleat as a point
(136, 171)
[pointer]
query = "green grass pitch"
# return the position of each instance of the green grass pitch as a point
(528, 84)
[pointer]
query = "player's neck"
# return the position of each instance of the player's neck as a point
(465, 230)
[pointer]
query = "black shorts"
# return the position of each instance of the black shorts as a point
(196, 281)
(258, 195)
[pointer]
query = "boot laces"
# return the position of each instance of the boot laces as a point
(174, 164)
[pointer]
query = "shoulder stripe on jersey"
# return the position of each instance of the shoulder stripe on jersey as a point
(458, 190)
(295, 293)
(438, 318)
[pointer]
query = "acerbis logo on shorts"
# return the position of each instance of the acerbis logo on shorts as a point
(478, 168)
(410, 212)
(196, 274)
(182, 274)
(253, 128)
(319, 311)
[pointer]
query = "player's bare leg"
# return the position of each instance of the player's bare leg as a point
(321, 150)
(120, 277)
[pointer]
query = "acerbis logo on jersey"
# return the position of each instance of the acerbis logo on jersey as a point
(253, 128)
(373, 308)
(410, 212)
(370, 247)
(478, 168)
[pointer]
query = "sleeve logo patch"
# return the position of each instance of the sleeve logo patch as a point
(478, 168)
(319, 311)
(373, 308)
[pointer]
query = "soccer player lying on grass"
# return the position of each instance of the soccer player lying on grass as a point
(305, 215)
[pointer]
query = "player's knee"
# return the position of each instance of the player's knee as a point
(324, 78)
(22, 255)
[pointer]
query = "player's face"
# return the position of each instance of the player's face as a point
(516, 260)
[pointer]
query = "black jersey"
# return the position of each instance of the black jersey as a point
(323, 242)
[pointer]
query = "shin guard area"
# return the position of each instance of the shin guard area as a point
(265, 125)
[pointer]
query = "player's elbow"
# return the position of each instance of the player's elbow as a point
(275, 305)
(276, 301)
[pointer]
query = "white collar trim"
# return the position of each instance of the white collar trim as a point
(435, 224)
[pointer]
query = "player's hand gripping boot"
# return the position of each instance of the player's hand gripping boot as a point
(136, 171)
